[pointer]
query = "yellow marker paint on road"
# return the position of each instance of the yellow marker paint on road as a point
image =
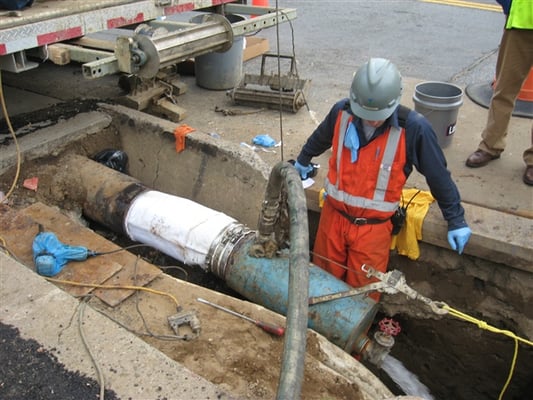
(467, 4)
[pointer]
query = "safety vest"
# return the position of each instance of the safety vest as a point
(520, 15)
(372, 186)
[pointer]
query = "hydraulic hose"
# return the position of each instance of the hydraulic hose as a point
(284, 175)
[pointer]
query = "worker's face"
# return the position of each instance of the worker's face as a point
(373, 124)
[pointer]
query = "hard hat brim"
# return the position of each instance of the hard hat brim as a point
(373, 115)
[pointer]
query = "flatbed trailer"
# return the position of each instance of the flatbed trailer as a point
(48, 22)
(53, 21)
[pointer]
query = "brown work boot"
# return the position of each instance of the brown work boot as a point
(479, 158)
(528, 175)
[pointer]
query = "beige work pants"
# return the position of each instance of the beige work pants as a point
(514, 63)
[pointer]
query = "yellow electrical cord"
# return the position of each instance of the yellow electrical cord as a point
(483, 325)
(126, 287)
(8, 122)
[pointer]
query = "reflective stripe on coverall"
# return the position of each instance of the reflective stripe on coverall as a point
(371, 187)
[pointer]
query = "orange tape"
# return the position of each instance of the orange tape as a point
(179, 133)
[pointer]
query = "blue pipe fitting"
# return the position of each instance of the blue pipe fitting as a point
(344, 322)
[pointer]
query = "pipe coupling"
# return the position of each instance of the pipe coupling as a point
(223, 247)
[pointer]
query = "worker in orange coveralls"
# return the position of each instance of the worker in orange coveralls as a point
(375, 143)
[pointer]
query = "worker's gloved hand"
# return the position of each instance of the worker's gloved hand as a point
(457, 238)
(303, 171)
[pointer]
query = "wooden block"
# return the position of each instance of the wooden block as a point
(168, 110)
(18, 231)
(142, 98)
(254, 47)
(178, 87)
(59, 54)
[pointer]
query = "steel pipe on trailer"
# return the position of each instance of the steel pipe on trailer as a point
(177, 33)
(160, 45)
(146, 53)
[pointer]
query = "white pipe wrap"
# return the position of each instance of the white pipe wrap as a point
(177, 227)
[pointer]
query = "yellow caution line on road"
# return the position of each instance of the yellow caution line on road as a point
(467, 4)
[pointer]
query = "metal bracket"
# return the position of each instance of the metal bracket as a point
(185, 318)
(16, 62)
(272, 90)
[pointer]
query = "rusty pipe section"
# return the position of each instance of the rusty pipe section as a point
(104, 194)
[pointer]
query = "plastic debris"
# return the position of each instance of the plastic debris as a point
(114, 159)
(31, 183)
(179, 133)
(255, 148)
(264, 140)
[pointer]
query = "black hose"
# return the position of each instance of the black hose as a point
(292, 368)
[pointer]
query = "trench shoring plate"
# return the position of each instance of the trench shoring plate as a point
(18, 228)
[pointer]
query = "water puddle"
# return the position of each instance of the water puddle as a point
(405, 379)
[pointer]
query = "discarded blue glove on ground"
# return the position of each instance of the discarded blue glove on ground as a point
(264, 140)
(458, 238)
(303, 171)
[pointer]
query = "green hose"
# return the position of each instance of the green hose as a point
(292, 368)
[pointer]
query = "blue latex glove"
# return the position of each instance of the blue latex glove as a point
(351, 141)
(303, 171)
(264, 140)
(458, 238)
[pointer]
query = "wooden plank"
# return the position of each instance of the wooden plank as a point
(19, 228)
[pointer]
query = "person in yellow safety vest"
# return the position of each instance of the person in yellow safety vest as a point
(514, 63)
(375, 143)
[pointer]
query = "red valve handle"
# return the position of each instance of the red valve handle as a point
(389, 326)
